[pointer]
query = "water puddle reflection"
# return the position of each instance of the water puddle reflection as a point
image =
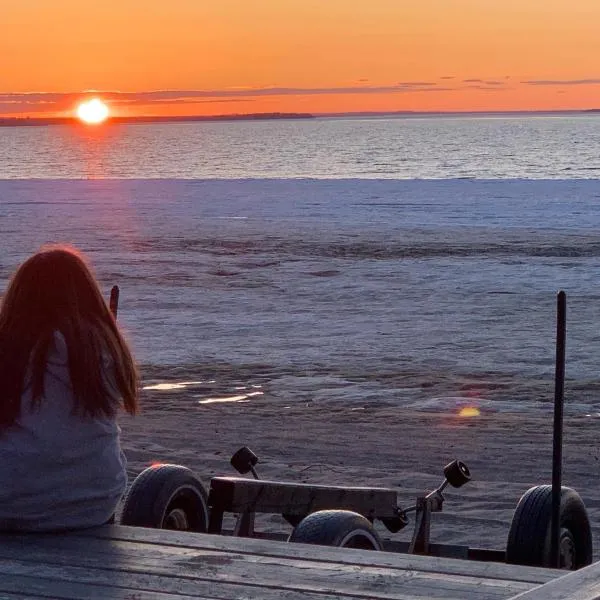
(241, 393)
(238, 398)
(171, 385)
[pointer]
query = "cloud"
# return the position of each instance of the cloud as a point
(484, 81)
(562, 82)
(54, 102)
(263, 92)
(33, 97)
(131, 101)
(194, 95)
(17, 102)
(51, 102)
(417, 84)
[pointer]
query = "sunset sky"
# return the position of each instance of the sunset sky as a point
(159, 57)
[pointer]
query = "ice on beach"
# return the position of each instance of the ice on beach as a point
(394, 291)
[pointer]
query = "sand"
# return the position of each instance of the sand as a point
(374, 445)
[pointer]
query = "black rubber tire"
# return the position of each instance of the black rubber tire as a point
(341, 528)
(529, 536)
(166, 497)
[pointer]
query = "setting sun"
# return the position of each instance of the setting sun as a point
(92, 111)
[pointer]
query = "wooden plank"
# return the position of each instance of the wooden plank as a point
(26, 586)
(354, 583)
(583, 584)
(10, 596)
(236, 494)
(75, 584)
(270, 548)
(225, 574)
(59, 580)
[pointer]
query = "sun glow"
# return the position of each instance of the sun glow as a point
(92, 111)
(469, 411)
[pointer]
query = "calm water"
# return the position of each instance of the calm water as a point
(534, 147)
(412, 261)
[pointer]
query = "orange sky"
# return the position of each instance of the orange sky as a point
(241, 56)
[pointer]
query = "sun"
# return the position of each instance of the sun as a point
(93, 111)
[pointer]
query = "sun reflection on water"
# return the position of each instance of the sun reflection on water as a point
(171, 385)
(241, 394)
(238, 398)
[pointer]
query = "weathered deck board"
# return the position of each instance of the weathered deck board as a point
(44, 587)
(7, 596)
(406, 562)
(577, 585)
(239, 580)
(132, 563)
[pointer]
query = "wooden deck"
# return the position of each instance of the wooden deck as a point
(116, 562)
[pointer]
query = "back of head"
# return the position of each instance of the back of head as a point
(55, 291)
(50, 288)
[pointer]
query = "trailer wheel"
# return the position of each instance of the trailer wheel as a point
(529, 540)
(166, 497)
(341, 528)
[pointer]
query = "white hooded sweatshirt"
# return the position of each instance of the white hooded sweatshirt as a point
(59, 470)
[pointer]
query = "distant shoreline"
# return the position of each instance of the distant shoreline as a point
(45, 121)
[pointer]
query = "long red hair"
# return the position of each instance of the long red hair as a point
(55, 291)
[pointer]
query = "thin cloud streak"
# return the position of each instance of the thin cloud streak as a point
(562, 82)
(158, 102)
(224, 93)
(52, 101)
(417, 83)
(61, 102)
(493, 82)
(168, 95)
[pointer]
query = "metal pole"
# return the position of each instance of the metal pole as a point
(559, 388)
(113, 303)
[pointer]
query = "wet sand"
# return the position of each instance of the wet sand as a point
(374, 445)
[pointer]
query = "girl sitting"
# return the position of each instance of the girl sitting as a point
(65, 369)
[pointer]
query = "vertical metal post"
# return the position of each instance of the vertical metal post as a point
(113, 303)
(559, 388)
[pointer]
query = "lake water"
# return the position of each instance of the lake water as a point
(413, 261)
